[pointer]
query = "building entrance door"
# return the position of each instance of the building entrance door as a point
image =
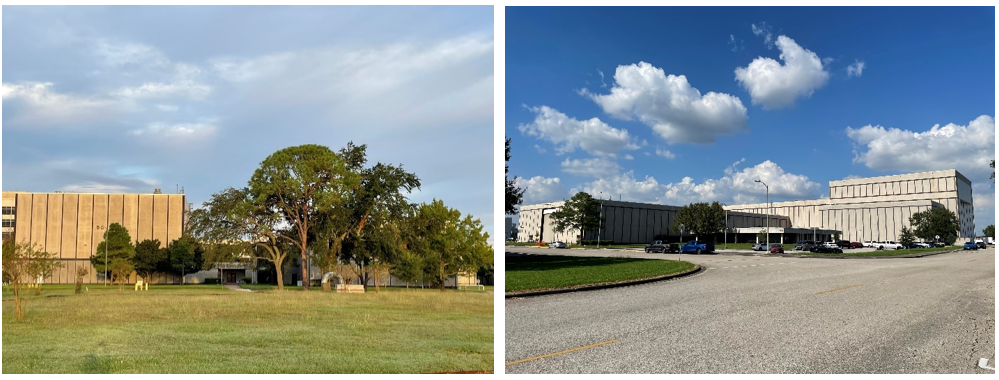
(230, 277)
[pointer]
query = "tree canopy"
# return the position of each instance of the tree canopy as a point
(514, 195)
(118, 244)
(936, 221)
(446, 242)
(990, 231)
(581, 212)
(701, 218)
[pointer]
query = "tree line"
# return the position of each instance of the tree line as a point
(345, 217)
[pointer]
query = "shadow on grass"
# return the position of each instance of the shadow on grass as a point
(97, 364)
(542, 262)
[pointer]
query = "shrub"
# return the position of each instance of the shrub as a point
(211, 280)
(247, 280)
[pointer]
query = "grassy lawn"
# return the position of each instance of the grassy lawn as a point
(210, 329)
(885, 253)
(536, 272)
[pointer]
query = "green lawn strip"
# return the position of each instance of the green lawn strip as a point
(173, 331)
(885, 253)
(541, 272)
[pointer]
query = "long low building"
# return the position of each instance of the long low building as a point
(859, 209)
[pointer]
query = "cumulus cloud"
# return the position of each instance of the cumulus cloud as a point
(187, 89)
(967, 148)
(855, 69)
(734, 187)
(674, 109)
(774, 85)
(567, 134)
(592, 167)
(39, 104)
(542, 190)
(665, 153)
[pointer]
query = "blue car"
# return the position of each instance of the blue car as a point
(970, 245)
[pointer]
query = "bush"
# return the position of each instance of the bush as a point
(594, 242)
(211, 280)
(247, 280)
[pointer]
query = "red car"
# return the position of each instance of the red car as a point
(856, 245)
(776, 248)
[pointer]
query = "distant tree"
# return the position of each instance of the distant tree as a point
(149, 258)
(120, 270)
(42, 267)
(81, 272)
(993, 166)
(19, 269)
(936, 221)
(906, 237)
(701, 218)
(447, 243)
(581, 212)
(990, 231)
(184, 256)
(409, 268)
(514, 194)
(118, 245)
(835, 236)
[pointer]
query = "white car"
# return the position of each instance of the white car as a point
(883, 245)
(761, 247)
(557, 244)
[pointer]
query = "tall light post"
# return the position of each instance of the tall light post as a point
(768, 211)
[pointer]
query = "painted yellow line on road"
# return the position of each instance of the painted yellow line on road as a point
(845, 287)
(561, 352)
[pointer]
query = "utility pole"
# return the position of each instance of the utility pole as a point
(768, 212)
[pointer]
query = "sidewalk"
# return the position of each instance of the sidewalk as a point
(237, 288)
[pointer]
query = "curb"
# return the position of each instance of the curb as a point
(916, 256)
(696, 269)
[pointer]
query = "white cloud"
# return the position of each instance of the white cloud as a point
(766, 31)
(167, 107)
(774, 85)
(567, 134)
(851, 176)
(670, 105)
(969, 149)
(124, 54)
(542, 190)
(856, 69)
(540, 149)
(186, 88)
(592, 167)
(184, 131)
(94, 187)
(665, 153)
(735, 187)
(39, 104)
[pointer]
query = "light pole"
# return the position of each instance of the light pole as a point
(600, 225)
(768, 212)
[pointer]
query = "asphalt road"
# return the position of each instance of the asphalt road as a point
(759, 314)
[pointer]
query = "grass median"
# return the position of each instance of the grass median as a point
(210, 329)
(542, 272)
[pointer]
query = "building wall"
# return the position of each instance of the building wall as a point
(72, 225)
(625, 223)
(877, 208)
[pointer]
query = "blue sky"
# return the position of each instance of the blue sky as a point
(679, 105)
(128, 99)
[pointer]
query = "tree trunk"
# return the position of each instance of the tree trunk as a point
(280, 279)
(17, 300)
(305, 266)
(38, 289)
(79, 285)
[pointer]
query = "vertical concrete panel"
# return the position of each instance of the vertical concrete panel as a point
(100, 218)
(70, 207)
(39, 212)
(22, 226)
(115, 211)
(130, 215)
(146, 217)
(160, 206)
(175, 218)
(85, 227)
(53, 225)
(619, 224)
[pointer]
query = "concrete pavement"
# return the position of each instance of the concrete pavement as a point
(767, 314)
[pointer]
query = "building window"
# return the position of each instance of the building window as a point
(6, 235)
(8, 223)
(8, 210)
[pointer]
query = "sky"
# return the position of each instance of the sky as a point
(679, 105)
(128, 99)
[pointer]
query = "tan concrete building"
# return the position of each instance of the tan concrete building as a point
(877, 208)
(72, 225)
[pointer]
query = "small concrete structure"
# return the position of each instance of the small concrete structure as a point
(341, 288)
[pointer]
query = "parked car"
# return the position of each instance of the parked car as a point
(695, 246)
(557, 244)
(856, 244)
(970, 245)
(980, 244)
(761, 247)
(883, 245)
(869, 244)
(777, 248)
(805, 245)
(827, 248)
(661, 247)
(843, 243)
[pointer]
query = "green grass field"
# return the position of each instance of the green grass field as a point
(537, 272)
(210, 329)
